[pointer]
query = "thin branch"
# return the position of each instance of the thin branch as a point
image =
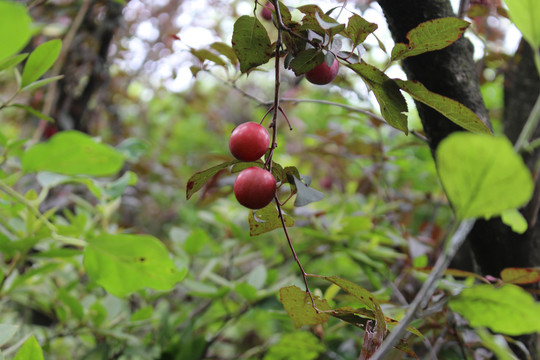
(453, 245)
(529, 128)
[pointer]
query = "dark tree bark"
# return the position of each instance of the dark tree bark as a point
(452, 72)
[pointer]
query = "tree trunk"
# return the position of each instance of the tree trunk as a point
(452, 72)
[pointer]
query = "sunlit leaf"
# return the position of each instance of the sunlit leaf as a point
(266, 219)
(525, 14)
(42, 82)
(392, 103)
(73, 153)
(514, 219)
(507, 309)
(14, 28)
(204, 54)
(453, 110)
(30, 350)
(430, 36)
(125, 263)
(482, 175)
(520, 275)
(298, 345)
(298, 305)
(197, 180)
(251, 43)
(40, 60)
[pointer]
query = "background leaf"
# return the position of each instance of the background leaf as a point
(73, 153)
(124, 263)
(40, 60)
(520, 275)
(14, 28)
(7, 332)
(251, 43)
(482, 175)
(507, 309)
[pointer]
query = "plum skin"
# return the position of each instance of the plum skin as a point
(254, 188)
(266, 13)
(323, 74)
(249, 141)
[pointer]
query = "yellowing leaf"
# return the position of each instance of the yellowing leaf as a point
(298, 305)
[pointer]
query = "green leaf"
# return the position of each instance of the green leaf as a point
(73, 153)
(514, 219)
(520, 275)
(117, 187)
(42, 82)
(133, 148)
(142, 314)
(196, 241)
(365, 297)
(266, 219)
(7, 332)
(40, 60)
(34, 112)
(392, 103)
(306, 60)
(226, 51)
(30, 350)
(72, 303)
(14, 28)
(482, 175)
(251, 43)
(247, 291)
(11, 61)
(316, 20)
(299, 345)
(204, 54)
(305, 194)
(197, 180)
(453, 110)
(430, 36)
(298, 305)
(125, 263)
(525, 14)
(358, 29)
(507, 309)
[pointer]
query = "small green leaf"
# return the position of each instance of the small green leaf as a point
(520, 275)
(40, 60)
(15, 26)
(305, 194)
(365, 297)
(42, 82)
(251, 43)
(482, 175)
(247, 291)
(12, 61)
(358, 29)
(30, 350)
(118, 186)
(299, 345)
(306, 60)
(507, 309)
(392, 103)
(204, 54)
(73, 153)
(197, 180)
(226, 51)
(196, 241)
(142, 314)
(453, 110)
(514, 219)
(298, 305)
(525, 14)
(266, 219)
(7, 332)
(34, 112)
(72, 303)
(133, 148)
(125, 263)
(430, 36)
